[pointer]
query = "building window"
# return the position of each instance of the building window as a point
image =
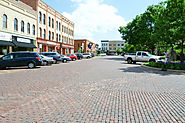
(118, 44)
(49, 21)
(122, 44)
(15, 24)
(56, 37)
(110, 48)
(4, 21)
(62, 39)
(44, 19)
(33, 30)
(59, 37)
(22, 26)
(40, 32)
(52, 23)
(59, 26)
(62, 28)
(40, 17)
(67, 30)
(52, 35)
(114, 48)
(49, 35)
(114, 44)
(56, 25)
(28, 28)
(110, 44)
(44, 34)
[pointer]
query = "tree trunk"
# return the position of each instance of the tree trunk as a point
(182, 54)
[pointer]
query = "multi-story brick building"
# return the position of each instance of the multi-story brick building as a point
(17, 27)
(85, 45)
(55, 32)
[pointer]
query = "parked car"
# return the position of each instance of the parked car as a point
(56, 56)
(17, 59)
(92, 54)
(141, 56)
(47, 60)
(72, 56)
(87, 55)
(65, 58)
(79, 55)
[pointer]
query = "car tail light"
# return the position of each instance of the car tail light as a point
(59, 56)
(38, 58)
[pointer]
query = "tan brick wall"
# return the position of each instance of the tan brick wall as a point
(78, 44)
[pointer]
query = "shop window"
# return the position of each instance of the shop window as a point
(4, 21)
(44, 19)
(40, 17)
(49, 21)
(40, 32)
(44, 34)
(22, 26)
(28, 28)
(52, 23)
(33, 30)
(49, 35)
(15, 24)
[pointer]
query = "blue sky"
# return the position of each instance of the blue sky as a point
(98, 20)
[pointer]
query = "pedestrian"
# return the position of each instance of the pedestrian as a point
(166, 60)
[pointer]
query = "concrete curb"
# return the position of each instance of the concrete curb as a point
(169, 70)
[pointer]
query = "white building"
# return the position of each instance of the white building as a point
(105, 45)
(17, 27)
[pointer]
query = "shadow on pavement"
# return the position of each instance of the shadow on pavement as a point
(139, 69)
(115, 59)
(18, 68)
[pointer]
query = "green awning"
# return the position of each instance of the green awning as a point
(6, 43)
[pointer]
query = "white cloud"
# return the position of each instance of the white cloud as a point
(92, 17)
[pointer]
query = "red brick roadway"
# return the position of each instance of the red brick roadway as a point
(103, 89)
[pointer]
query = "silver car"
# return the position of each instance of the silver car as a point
(47, 60)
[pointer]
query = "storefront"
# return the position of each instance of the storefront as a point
(5, 43)
(22, 44)
(67, 49)
(48, 46)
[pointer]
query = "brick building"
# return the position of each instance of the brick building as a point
(85, 45)
(55, 32)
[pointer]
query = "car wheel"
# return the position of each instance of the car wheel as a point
(74, 59)
(152, 60)
(129, 61)
(64, 60)
(88, 57)
(134, 62)
(55, 61)
(31, 65)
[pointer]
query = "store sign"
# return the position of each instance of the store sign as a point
(5, 36)
(24, 40)
(51, 43)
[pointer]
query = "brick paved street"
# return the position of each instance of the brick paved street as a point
(103, 89)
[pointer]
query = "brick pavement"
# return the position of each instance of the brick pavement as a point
(108, 91)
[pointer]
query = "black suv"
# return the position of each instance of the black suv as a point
(56, 56)
(79, 55)
(17, 59)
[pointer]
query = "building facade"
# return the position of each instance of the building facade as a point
(84, 45)
(18, 23)
(105, 45)
(112, 45)
(55, 32)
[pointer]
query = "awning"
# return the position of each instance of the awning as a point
(27, 45)
(6, 43)
(23, 42)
